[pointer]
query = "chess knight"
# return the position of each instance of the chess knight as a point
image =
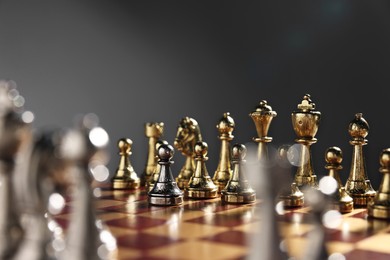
(188, 134)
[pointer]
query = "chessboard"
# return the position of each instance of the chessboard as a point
(209, 229)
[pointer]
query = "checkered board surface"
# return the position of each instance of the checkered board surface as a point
(208, 229)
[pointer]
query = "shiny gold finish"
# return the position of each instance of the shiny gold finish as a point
(188, 133)
(358, 186)
(125, 176)
(333, 158)
(156, 173)
(224, 172)
(262, 118)
(153, 131)
(291, 196)
(380, 206)
(238, 189)
(165, 191)
(305, 123)
(201, 186)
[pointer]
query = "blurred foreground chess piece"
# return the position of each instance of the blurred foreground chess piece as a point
(153, 131)
(291, 195)
(341, 199)
(15, 136)
(125, 177)
(224, 172)
(156, 173)
(305, 123)
(380, 206)
(238, 189)
(165, 191)
(262, 117)
(85, 148)
(41, 186)
(201, 186)
(358, 185)
(188, 133)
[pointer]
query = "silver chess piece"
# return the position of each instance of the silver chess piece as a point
(84, 147)
(15, 134)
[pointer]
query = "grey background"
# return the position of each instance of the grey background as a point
(144, 61)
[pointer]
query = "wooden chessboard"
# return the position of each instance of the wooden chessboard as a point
(207, 229)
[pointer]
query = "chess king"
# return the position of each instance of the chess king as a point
(188, 134)
(305, 123)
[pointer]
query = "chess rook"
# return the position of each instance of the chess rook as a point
(224, 172)
(262, 117)
(238, 189)
(341, 199)
(125, 176)
(305, 123)
(379, 207)
(165, 191)
(358, 186)
(153, 131)
(201, 186)
(188, 133)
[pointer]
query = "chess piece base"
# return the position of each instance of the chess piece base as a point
(165, 201)
(220, 185)
(292, 202)
(121, 184)
(378, 211)
(304, 181)
(362, 200)
(182, 183)
(345, 207)
(238, 198)
(201, 194)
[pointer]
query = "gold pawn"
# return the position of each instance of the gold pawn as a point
(224, 172)
(380, 206)
(125, 176)
(238, 189)
(358, 185)
(333, 158)
(305, 123)
(201, 186)
(291, 196)
(153, 131)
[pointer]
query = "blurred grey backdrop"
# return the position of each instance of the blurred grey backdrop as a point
(132, 62)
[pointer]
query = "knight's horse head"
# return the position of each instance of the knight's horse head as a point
(188, 133)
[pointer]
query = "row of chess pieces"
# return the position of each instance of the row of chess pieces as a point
(39, 171)
(233, 178)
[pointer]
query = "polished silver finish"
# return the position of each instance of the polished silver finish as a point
(165, 191)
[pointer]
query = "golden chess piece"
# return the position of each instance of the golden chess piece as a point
(156, 173)
(188, 133)
(291, 196)
(262, 118)
(305, 123)
(379, 207)
(333, 158)
(224, 172)
(358, 186)
(165, 191)
(201, 186)
(125, 176)
(238, 189)
(153, 131)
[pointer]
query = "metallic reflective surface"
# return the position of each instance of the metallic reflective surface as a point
(358, 186)
(125, 176)
(333, 158)
(380, 206)
(188, 133)
(165, 191)
(305, 123)
(153, 131)
(224, 172)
